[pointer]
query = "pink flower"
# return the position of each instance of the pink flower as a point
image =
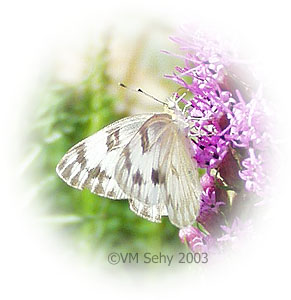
(195, 239)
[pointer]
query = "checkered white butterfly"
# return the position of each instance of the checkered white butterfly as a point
(146, 159)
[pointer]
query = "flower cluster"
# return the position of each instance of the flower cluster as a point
(227, 110)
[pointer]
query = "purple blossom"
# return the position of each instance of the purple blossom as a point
(237, 230)
(210, 151)
(247, 124)
(208, 197)
(211, 201)
(253, 173)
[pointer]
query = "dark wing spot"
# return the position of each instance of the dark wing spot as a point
(62, 164)
(92, 175)
(145, 144)
(67, 171)
(157, 177)
(137, 178)
(75, 179)
(102, 176)
(81, 158)
(128, 163)
(111, 194)
(112, 140)
(99, 188)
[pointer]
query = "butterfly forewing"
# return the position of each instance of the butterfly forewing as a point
(92, 162)
(146, 159)
(152, 173)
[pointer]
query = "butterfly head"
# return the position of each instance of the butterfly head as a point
(172, 105)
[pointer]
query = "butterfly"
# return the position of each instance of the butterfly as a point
(147, 159)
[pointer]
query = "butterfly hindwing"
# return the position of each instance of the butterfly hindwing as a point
(92, 162)
(183, 187)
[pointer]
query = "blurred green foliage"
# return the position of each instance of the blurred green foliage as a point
(65, 115)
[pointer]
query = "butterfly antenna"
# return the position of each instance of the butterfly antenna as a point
(142, 92)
